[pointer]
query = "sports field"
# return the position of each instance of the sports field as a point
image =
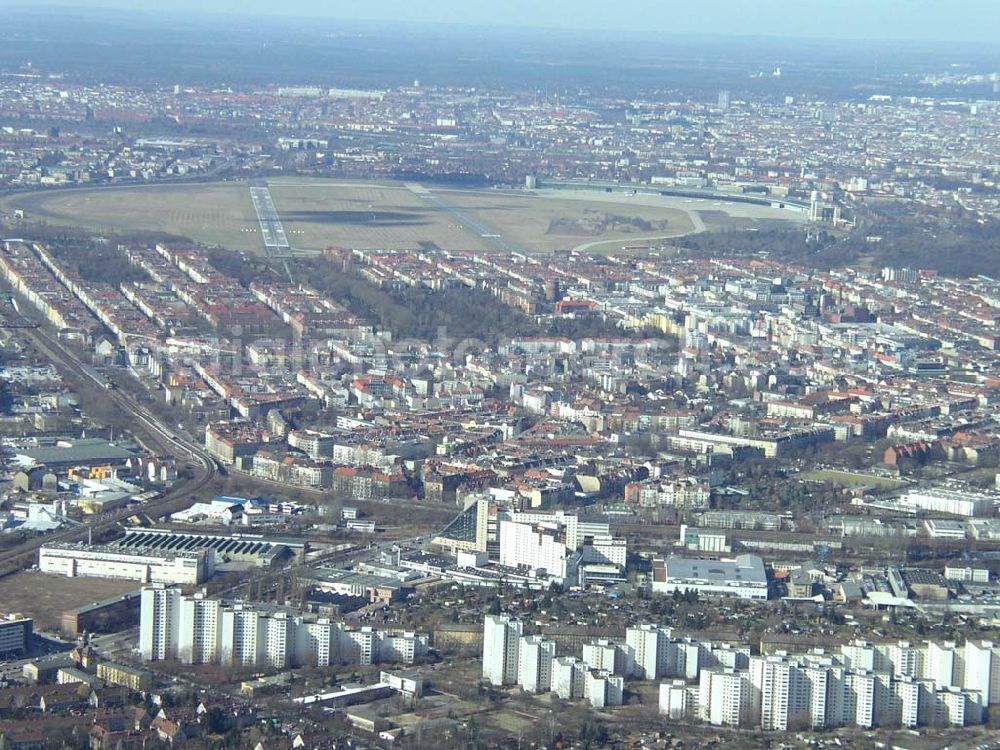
(322, 213)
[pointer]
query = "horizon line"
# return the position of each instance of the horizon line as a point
(257, 14)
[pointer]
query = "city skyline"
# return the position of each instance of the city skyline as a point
(632, 386)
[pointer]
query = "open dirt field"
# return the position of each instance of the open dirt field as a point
(45, 597)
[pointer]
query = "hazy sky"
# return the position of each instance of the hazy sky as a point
(947, 20)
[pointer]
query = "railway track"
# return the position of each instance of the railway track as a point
(143, 423)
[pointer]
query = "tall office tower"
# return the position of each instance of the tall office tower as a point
(199, 628)
(158, 622)
(724, 100)
(501, 639)
(534, 671)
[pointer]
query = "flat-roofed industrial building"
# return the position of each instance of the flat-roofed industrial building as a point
(145, 565)
(743, 576)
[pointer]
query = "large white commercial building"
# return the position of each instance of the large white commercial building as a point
(557, 544)
(143, 565)
(966, 503)
(197, 629)
(539, 548)
(743, 577)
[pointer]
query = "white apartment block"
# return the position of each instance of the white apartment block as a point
(606, 656)
(535, 657)
(279, 643)
(400, 647)
(568, 677)
(530, 662)
(683, 493)
(603, 689)
(981, 670)
(860, 684)
(863, 685)
(859, 655)
(241, 638)
(649, 647)
(158, 623)
(316, 643)
(955, 707)
(199, 622)
(724, 697)
(902, 658)
(678, 700)
(200, 630)
(501, 642)
(939, 663)
(655, 653)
